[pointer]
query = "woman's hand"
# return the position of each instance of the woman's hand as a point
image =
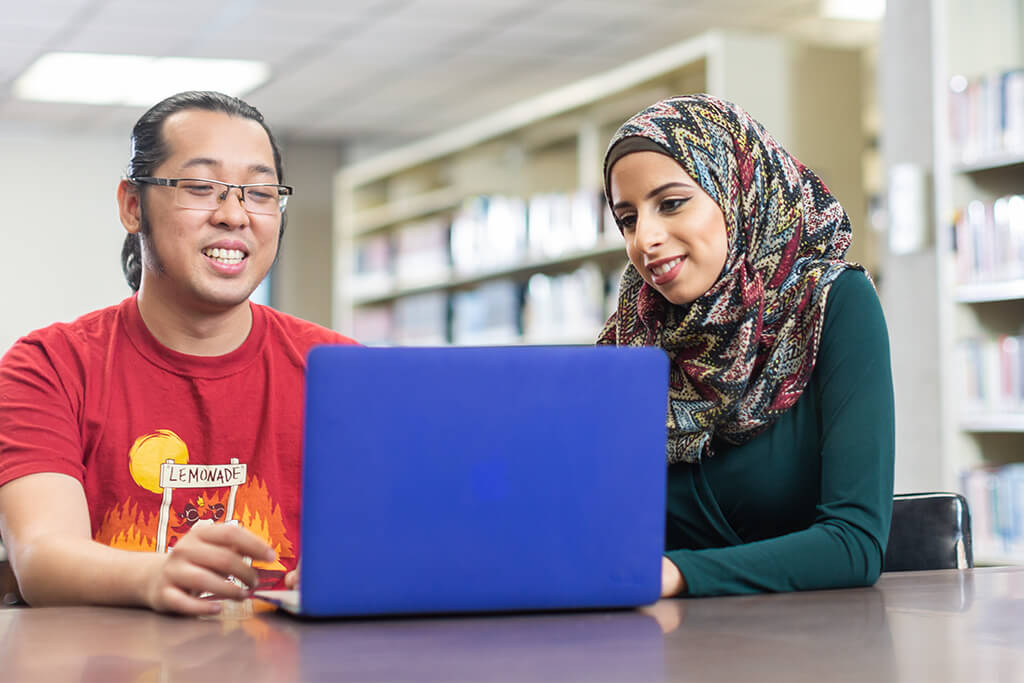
(200, 563)
(672, 581)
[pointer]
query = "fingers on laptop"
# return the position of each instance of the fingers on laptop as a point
(291, 579)
(201, 563)
(237, 538)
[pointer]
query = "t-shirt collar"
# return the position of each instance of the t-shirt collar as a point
(182, 363)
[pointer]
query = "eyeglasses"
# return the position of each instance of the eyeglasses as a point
(207, 195)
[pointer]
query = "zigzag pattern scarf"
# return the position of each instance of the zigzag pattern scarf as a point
(743, 352)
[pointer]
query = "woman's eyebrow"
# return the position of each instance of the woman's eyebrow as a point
(661, 188)
(656, 191)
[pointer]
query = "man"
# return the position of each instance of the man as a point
(172, 420)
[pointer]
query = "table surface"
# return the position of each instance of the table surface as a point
(946, 625)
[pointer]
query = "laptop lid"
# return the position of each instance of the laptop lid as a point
(482, 479)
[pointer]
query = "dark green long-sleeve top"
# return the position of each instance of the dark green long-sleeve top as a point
(807, 503)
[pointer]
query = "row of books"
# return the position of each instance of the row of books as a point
(485, 233)
(992, 374)
(987, 115)
(568, 308)
(995, 496)
(989, 239)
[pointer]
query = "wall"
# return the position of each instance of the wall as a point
(301, 279)
(910, 294)
(810, 98)
(60, 237)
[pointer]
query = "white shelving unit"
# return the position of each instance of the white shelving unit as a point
(973, 40)
(554, 143)
(607, 247)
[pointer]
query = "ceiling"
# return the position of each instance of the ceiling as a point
(379, 71)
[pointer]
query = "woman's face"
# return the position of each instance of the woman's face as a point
(675, 232)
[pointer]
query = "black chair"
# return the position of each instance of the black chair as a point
(929, 531)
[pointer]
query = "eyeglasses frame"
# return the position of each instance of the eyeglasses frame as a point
(284, 191)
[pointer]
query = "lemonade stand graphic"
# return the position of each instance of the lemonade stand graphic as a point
(175, 472)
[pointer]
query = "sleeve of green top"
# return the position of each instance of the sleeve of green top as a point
(845, 544)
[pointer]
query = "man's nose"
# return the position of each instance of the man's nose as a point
(232, 209)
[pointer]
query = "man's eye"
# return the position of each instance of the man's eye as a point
(198, 188)
(261, 196)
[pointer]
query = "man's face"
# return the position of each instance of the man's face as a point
(209, 260)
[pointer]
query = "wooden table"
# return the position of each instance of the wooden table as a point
(914, 626)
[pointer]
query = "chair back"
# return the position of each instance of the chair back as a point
(929, 531)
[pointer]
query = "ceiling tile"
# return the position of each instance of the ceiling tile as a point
(42, 13)
(258, 25)
(286, 52)
(386, 68)
(523, 41)
(347, 8)
(139, 41)
(190, 17)
(470, 13)
(14, 58)
(34, 35)
(61, 115)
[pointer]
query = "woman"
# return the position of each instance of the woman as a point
(780, 415)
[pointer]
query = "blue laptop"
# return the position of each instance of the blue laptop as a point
(441, 480)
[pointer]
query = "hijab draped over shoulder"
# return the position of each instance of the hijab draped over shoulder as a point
(742, 353)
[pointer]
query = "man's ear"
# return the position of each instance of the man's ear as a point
(129, 206)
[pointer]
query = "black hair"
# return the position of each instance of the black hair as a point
(149, 150)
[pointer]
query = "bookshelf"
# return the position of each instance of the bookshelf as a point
(495, 232)
(979, 183)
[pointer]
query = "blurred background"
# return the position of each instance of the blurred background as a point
(446, 157)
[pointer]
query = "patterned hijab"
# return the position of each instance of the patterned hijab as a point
(743, 352)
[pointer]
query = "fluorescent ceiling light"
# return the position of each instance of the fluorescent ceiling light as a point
(856, 10)
(90, 78)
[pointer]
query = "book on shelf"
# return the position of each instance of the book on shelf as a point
(487, 314)
(989, 240)
(374, 325)
(986, 115)
(372, 266)
(611, 300)
(995, 496)
(609, 226)
(422, 252)
(562, 223)
(567, 308)
(586, 219)
(421, 319)
(488, 232)
(992, 375)
(485, 234)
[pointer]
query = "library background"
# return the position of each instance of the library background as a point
(497, 233)
(494, 230)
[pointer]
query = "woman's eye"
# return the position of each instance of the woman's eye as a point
(626, 222)
(672, 204)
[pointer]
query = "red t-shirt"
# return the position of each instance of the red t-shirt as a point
(161, 440)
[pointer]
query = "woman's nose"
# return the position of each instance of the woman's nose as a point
(650, 232)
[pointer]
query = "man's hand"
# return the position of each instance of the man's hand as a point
(291, 579)
(200, 563)
(672, 581)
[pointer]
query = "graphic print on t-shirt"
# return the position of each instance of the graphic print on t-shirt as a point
(190, 495)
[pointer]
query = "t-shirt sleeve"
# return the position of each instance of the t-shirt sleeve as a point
(846, 542)
(38, 424)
